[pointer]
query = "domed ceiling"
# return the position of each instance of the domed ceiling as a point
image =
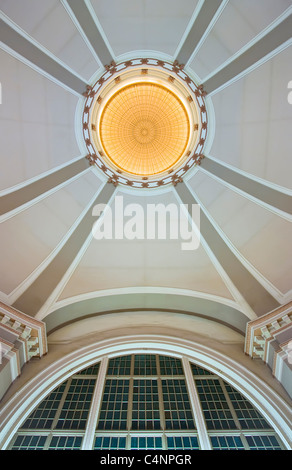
(149, 103)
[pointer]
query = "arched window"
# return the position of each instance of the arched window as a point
(145, 401)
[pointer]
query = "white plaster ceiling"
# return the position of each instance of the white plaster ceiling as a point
(133, 25)
(113, 264)
(253, 118)
(33, 235)
(238, 24)
(37, 123)
(261, 236)
(48, 23)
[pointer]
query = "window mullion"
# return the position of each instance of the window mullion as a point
(130, 404)
(161, 403)
(48, 441)
(88, 439)
(232, 410)
(204, 439)
(61, 404)
(244, 441)
(160, 397)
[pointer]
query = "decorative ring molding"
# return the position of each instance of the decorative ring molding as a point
(175, 74)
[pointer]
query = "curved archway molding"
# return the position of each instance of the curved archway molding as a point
(75, 309)
(273, 407)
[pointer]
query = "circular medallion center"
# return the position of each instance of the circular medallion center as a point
(144, 128)
(144, 132)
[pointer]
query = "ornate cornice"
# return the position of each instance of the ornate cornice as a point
(269, 338)
(21, 338)
(264, 327)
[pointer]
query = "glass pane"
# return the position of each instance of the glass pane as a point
(227, 443)
(248, 416)
(177, 408)
(77, 403)
(65, 442)
(199, 370)
(146, 442)
(114, 406)
(119, 366)
(109, 442)
(42, 417)
(145, 405)
(183, 442)
(263, 442)
(215, 407)
(29, 443)
(145, 364)
(93, 370)
(170, 366)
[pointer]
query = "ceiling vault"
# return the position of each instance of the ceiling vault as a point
(258, 190)
(206, 15)
(35, 296)
(264, 46)
(253, 292)
(90, 29)
(40, 187)
(29, 51)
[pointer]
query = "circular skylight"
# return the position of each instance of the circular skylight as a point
(144, 123)
(144, 128)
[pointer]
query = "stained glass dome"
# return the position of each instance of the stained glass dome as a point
(144, 128)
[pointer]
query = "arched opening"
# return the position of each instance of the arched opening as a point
(157, 396)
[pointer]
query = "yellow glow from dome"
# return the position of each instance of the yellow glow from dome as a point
(144, 128)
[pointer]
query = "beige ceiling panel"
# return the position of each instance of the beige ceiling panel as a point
(108, 264)
(31, 235)
(233, 30)
(261, 237)
(138, 25)
(253, 117)
(36, 123)
(66, 43)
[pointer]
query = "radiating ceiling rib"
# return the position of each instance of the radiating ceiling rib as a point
(205, 16)
(256, 189)
(250, 229)
(29, 51)
(90, 29)
(254, 293)
(31, 301)
(264, 46)
(17, 198)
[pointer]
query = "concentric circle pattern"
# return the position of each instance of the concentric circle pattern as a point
(144, 128)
